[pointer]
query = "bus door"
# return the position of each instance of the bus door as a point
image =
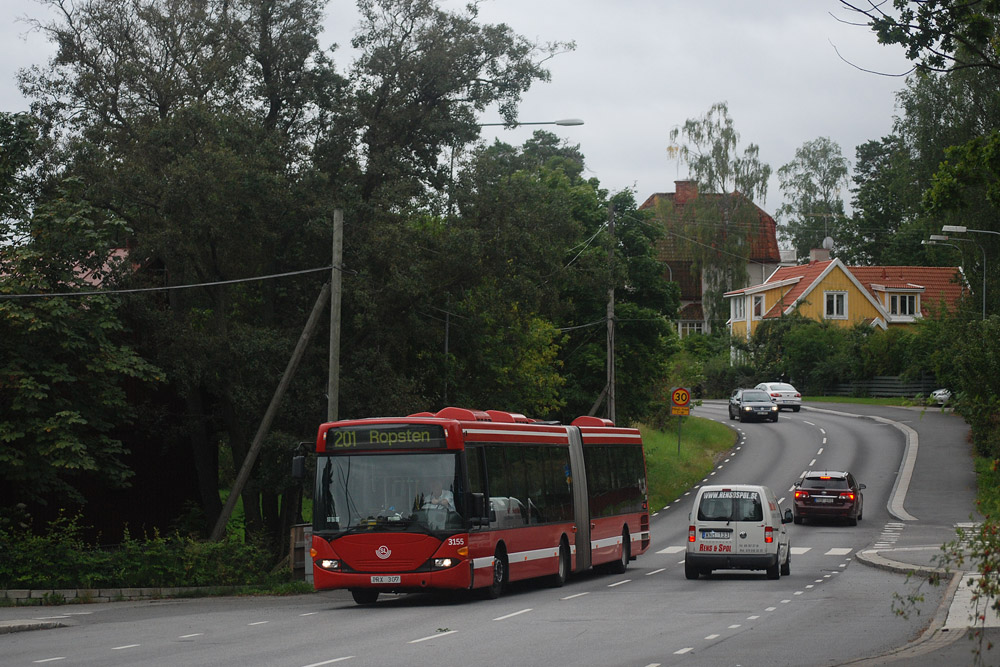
(581, 500)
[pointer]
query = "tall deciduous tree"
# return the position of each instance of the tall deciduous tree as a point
(717, 230)
(812, 184)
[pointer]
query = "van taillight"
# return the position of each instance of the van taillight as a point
(768, 534)
(691, 533)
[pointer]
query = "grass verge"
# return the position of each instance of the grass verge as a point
(670, 472)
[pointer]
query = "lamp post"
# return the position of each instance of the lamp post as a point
(939, 239)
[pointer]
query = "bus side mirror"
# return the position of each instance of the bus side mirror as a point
(479, 515)
(298, 467)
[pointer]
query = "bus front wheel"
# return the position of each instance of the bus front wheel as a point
(495, 588)
(364, 595)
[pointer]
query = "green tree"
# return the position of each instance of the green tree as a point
(64, 362)
(190, 120)
(811, 184)
(938, 35)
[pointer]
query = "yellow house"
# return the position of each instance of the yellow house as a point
(881, 296)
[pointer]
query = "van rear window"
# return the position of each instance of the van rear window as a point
(730, 506)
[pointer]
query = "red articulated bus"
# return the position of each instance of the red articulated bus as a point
(463, 499)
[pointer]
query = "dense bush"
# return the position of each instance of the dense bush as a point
(59, 557)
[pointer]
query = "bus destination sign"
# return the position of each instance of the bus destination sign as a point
(386, 436)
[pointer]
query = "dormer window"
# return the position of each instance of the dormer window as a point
(903, 304)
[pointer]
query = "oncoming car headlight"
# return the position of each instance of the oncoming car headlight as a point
(747, 408)
(774, 408)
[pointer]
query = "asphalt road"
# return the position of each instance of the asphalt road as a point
(833, 609)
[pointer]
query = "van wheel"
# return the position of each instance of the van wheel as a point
(774, 572)
(690, 571)
(493, 591)
(364, 596)
(796, 408)
(620, 565)
(562, 571)
(786, 568)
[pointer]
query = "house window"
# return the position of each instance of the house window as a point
(758, 306)
(686, 328)
(739, 310)
(903, 304)
(836, 306)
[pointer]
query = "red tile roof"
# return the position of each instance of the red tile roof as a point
(937, 282)
(763, 241)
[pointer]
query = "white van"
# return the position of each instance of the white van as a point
(737, 527)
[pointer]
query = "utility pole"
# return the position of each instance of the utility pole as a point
(333, 381)
(218, 532)
(611, 314)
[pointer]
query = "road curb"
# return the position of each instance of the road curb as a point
(8, 627)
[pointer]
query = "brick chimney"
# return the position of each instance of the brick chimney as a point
(685, 191)
(819, 255)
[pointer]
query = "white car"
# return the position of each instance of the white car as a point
(737, 527)
(784, 394)
(941, 396)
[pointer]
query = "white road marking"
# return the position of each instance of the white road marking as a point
(671, 550)
(440, 634)
(38, 662)
(712, 637)
(619, 583)
(516, 613)
(684, 650)
(656, 571)
(119, 648)
(196, 634)
(734, 626)
(258, 623)
(330, 662)
(570, 597)
(798, 551)
(838, 552)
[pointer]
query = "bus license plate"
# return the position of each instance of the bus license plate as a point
(386, 579)
(715, 534)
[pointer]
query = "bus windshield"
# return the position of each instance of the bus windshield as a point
(396, 492)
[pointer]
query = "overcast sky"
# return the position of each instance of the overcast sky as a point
(643, 66)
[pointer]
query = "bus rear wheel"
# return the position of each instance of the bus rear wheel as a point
(364, 595)
(620, 565)
(562, 570)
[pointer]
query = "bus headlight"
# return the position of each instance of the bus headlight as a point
(328, 564)
(443, 562)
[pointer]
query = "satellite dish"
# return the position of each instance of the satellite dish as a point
(828, 243)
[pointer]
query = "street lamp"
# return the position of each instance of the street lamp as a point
(562, 121)
(939, 239)
(961, 229)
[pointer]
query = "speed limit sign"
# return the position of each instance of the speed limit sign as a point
(680, 396)
(680, 399)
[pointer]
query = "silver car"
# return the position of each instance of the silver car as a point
(782, 393)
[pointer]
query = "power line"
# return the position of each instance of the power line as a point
(166, 288)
